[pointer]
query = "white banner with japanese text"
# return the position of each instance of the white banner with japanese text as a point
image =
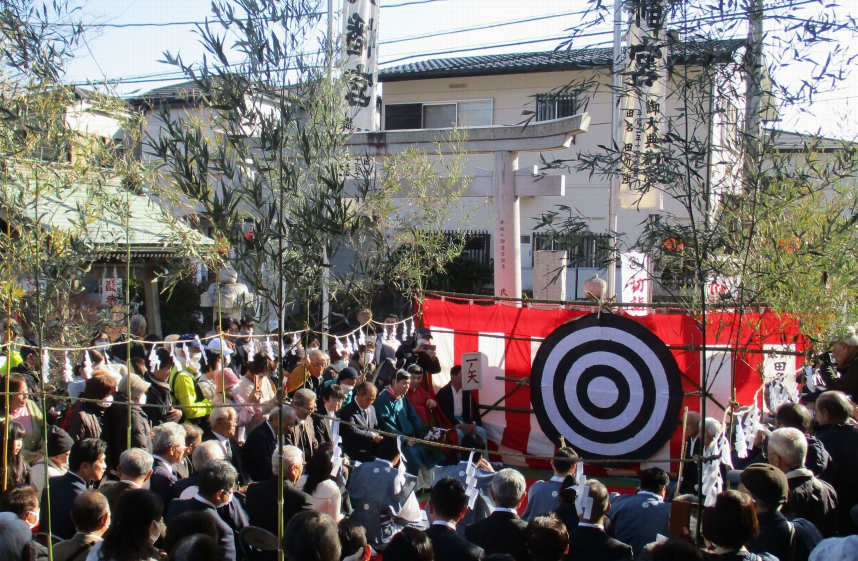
(637, 285)
(360, 69)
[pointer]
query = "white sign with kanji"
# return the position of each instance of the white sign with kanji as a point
(111, 291)
(472, 371)
(637, 285)
(360, 70)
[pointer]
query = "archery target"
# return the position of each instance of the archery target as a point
(608, 385)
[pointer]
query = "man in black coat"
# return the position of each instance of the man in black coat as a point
(261, 497)
(817, 460)
(168, 448)
(459, 407)
(216, 486)
(261, 442)
(808, 497)
(447, 505)
(223, 422)
(840, 439)
(359, 441)
(589, 540)
(159, 392)
(768, 487)
(87, 463)
(503, 531)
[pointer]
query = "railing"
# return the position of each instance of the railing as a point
(478, 244)
(589, 250)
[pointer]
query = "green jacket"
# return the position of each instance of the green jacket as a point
(185, 393)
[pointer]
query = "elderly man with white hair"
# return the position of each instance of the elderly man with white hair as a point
(224, 422)
(168, 448)
(308, 374)
(809, 498)
(303, 434)
(503, 531)
(262, 441)
(261, 497)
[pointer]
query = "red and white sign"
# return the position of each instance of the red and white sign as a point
(637, 285)
(472, 371)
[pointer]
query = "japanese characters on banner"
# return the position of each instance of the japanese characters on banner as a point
(642, 104)
(111, 290)
(472, 371)
(637, 286)
(360, 43)
(502, 235)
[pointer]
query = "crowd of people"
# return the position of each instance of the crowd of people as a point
(186, 450)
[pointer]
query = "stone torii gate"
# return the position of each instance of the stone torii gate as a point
(504, 183)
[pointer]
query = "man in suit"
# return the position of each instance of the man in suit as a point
(331, 401)
(261, 501)
(303, 434)
(217, 484)
(589, 540)
(459, 407)
(87, 463)
(503, 531)
(638, 519)
(262, 441)
(359, 441)
(693, 447)
(223, 422)
(135, 469)
(447, 505)
(209, 450)
(91, 516)
(168, 448)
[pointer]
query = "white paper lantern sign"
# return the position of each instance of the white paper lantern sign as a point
(608, 385)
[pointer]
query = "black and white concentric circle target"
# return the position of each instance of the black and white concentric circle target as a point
(608, 385)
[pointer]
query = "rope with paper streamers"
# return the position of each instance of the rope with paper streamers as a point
(357, 333)
(595, 462)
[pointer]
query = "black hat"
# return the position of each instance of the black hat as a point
(347, 373)
(766, 483)
(424, 332)
(59, 441)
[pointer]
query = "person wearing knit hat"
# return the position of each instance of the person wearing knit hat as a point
(59, 447)
(141, 433)
(769, 488)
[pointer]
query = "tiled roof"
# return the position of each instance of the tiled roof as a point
(184, 92)
(151, 228)
(548, 61)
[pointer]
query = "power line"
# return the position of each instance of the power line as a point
(171, 76)
(480, 27)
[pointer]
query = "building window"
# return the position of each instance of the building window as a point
(442, 115)
(555, 106)
(403, 116)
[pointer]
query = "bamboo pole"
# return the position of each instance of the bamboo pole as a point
(128, 314)
(8, 355)
(681, 450)
(40, 334)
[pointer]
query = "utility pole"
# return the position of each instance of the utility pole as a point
(753, 89)
(326, 272)
(616, 120)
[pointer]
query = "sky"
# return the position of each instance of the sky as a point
(135, 53)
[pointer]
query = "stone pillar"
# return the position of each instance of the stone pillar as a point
(507, 230)
(152, 298)
(549, 283)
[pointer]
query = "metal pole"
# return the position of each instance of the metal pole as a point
(613, 191)
(326, 274)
